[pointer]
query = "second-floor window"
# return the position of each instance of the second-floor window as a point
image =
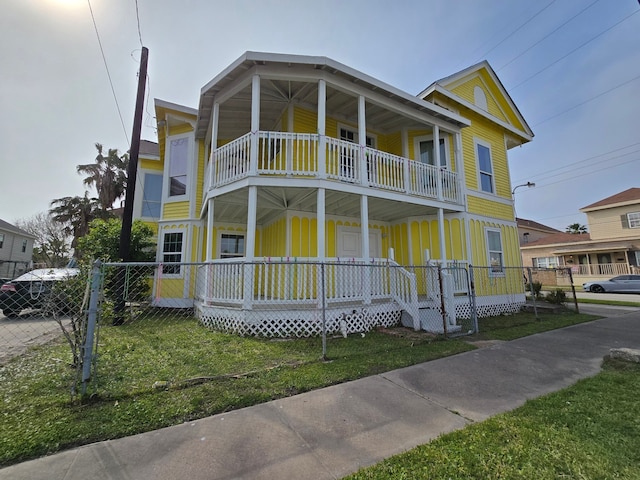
(152, 195)
(485, 168)
(633, 219)
(178, 165)
(1, 239)
(24, 246)
(427, 152)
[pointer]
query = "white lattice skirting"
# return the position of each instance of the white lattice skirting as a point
(298, 322)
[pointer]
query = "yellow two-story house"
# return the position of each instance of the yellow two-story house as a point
(290, 162)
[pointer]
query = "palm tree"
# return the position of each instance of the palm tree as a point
(76, 213)
(576, 228)
(108, 174)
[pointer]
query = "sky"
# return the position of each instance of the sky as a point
(572, 67)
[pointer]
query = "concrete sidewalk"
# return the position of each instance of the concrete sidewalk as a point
(329, 433)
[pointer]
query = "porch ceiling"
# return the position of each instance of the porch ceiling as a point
(595, 247)
(276, 95)
(274, 201)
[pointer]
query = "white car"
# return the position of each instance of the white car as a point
(619, 284)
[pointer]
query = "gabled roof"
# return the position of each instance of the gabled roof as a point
(524, 223)
(7, 227)
(559, 238)
(149, 148)
(629, 196)
(443, 85)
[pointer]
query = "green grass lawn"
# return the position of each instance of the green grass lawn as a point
(588, 431)
(153, 374)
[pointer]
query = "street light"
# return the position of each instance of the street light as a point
(528, 184)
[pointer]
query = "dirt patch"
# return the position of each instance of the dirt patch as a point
(407, 333)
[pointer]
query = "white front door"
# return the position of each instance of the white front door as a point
(350, 243)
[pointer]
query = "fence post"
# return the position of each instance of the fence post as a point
(533, 295)
(92, 317)
(573, 289)
(442, 302)
(472, 294)
(324, 314)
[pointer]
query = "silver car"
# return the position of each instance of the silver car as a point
(619, 284)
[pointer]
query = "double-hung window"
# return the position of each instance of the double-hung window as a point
(633, 219)
(24, 246)
(178, 165)
(485, 167)
(172, 252)
(348, 155)
(494, 252)
(1, 239)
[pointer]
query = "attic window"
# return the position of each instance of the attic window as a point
(479, 98)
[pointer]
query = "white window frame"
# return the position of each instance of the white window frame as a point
(238, 234)
(166, 188)
(546, 262)
(161, 251)
(373, 137)
(492, 272)
(139, 197)
(633, 219)
(1, 240)
(444, 137)
(476, 142)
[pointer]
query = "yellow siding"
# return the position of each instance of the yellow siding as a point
(482, 129)
(481, 206)
(151, 165)
(274, 243)
(179, 129)
(466, 91)
(176, 210)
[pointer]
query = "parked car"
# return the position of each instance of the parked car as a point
(31, 289)
(619, 284)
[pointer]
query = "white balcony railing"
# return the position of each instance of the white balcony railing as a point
(298, 154)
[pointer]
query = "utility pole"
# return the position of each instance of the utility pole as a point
(132, 169)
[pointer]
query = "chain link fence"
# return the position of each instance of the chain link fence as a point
(269, 298)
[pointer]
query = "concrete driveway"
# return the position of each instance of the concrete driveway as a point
(29, 329)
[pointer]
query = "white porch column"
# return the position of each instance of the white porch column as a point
(443, 238)
(438, 160)
(255, 124)
(404, 136)
(364, 222)
(320, 218)
(210, 230)
(215, 119)
(250, 245)
(460, 170)
(289, 153)
(362, 140)
(322, 140)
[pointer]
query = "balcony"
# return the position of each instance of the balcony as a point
(306, 155)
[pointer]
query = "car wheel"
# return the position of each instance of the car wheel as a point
(10, 313)
(597, 289)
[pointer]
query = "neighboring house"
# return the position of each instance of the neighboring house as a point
(302, 159)
(611, 248)
(530, 231)
(16, 250)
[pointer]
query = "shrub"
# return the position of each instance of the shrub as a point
(557, 297)
(537, 287)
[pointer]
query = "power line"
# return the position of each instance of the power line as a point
(104, 59)
(516, 30)
(138, 20)
(546, 36)
(581, 161)
(573, 51)
(586, 101)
